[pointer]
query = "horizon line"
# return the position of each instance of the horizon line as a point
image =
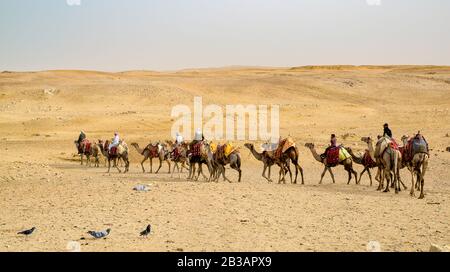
(236, 67)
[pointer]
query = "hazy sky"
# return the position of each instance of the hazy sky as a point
(116, 35)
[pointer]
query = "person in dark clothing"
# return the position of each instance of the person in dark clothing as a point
(81, 138)
(387, 131)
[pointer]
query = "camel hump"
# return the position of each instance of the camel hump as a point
(287, 143)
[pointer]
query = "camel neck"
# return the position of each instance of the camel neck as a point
(315, 155)
(257, 155)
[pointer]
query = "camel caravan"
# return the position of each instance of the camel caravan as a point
(383, 155)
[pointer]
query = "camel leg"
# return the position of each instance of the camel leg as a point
(168, 162)
(142, 164)
(203, 175)
(323, 174)
(400, 180)
(361, 174)
(290, 172)
(264, 173)
(380, 176)
(222, 169)
(280, 174)
(81, 158)
(370, 176)
(422, 175)
(270, 167)
(387, 175)
(173, 169)
(160, 164)
(191, 170)
(296, 171)
(332, 175)
(117, 167)
(349, 177)
(109, 165)
(411, 193)
(151, 165)
(301, 173)
(417, 184)
(198, 172)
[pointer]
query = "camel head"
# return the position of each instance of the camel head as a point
(249, 146)
(309, 145)
(169, 142)
(405, 138)
(367, 140)
(134, 144)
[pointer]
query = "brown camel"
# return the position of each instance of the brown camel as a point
(220, 161)
(89, 150)
(388, 160)
(367, 162)
(347, 163)
(121, 152)
(150, 152)
(178, 155)
(268, 161)
(417, 165)
(205, 157)
(96, 153)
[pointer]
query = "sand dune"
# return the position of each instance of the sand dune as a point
(42, 185)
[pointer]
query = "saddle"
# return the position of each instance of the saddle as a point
(284, 145)
(414, 146)
(367, 160)
(394, 144)
(113, 151)
(332, 155)
(197, 149)
(86, 145)
(176, 153)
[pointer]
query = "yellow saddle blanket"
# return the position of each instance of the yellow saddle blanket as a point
(343, 154)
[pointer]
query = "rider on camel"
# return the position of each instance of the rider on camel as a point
(115, 142)
(81, 138)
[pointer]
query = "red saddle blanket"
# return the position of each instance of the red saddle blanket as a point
(367, 160)
(86, 145)
(113, 151)
(153, 151)
(394, 144)
(333, 155)
(196, 149)
(176, 153)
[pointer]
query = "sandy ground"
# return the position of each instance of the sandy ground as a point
(42, 184)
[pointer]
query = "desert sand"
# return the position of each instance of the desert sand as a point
(42, 183)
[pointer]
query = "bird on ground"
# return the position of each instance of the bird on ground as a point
(146, 231)
(27, 232)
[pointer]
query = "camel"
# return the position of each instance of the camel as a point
(153, 151)
(89, 150)
(347, 163)
(96, 152)
(205, 158)
(365, 162)
(417, 165)
(389, 161)
(181, 158)
(220, 161)
(122, 153)
(268, 161)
